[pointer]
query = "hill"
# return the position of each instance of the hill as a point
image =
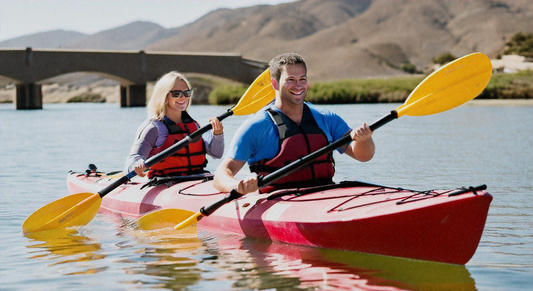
(340, 39)
(134, 36)
(49, 39)
(357, 39)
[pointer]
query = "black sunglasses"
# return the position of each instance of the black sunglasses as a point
(179, 93)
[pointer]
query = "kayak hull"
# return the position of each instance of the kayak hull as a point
(425, 225)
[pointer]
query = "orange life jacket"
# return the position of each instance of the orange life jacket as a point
(296, 141)
(188, 160)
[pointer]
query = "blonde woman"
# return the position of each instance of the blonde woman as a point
(168, 122)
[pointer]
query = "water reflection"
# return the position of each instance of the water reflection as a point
(65, 246)
(165, 257)
(278, 265)
(169, 260)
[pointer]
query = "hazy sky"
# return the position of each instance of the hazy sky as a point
(23, 17)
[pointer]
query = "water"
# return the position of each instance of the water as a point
(470, 145)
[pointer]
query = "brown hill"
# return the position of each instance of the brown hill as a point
(357, 39)
(48, 39)
(340, 39)
(135, 35)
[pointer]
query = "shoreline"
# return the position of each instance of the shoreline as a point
(474, 102)
(500, 102)
(62, 93)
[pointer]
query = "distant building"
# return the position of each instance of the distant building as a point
(511, 64)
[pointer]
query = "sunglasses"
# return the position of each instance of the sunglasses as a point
(179, 93)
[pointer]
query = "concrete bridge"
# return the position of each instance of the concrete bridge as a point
(29, 68)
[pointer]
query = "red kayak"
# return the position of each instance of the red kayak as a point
(435, 225)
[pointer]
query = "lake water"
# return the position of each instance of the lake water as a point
(477, 143)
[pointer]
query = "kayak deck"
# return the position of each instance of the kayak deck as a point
(355, 216)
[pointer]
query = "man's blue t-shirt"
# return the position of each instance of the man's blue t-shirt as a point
(257, 138)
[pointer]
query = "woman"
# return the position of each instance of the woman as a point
(168, 122)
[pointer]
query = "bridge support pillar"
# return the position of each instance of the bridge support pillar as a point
(29, 96)
(133, 96)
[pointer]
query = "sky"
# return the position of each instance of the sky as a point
(25, 17)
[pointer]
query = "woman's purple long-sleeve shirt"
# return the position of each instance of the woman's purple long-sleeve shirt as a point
(152, 133)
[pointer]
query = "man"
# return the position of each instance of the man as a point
(286, 131)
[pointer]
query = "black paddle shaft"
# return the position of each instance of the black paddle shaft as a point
(299, 163)
(164, 154)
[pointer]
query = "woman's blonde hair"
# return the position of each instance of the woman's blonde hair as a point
(157, 105)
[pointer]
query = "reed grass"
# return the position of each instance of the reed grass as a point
(387, 90)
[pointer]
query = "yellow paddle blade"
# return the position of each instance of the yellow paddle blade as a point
(72, 210)
(192, 220)
(257, 96)
(178, 219)
(450, 86)
(164, 218)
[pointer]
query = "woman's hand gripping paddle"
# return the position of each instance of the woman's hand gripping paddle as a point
(80, 209)
(450, 86)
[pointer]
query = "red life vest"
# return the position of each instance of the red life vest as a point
(188, 160)
(296, 141)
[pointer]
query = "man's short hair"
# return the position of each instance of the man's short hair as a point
(280, 61)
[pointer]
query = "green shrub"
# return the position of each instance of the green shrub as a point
(409, 68)
(226, 94)
(509, 86)
(387, 90)
(520, 44)
(444, 58)
(363, 91)
(87, 97)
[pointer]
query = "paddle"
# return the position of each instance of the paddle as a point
(80, 209)
(450, 86)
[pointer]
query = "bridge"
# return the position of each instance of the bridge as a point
(29, 68)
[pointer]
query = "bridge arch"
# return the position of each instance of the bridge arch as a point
(28, 68)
